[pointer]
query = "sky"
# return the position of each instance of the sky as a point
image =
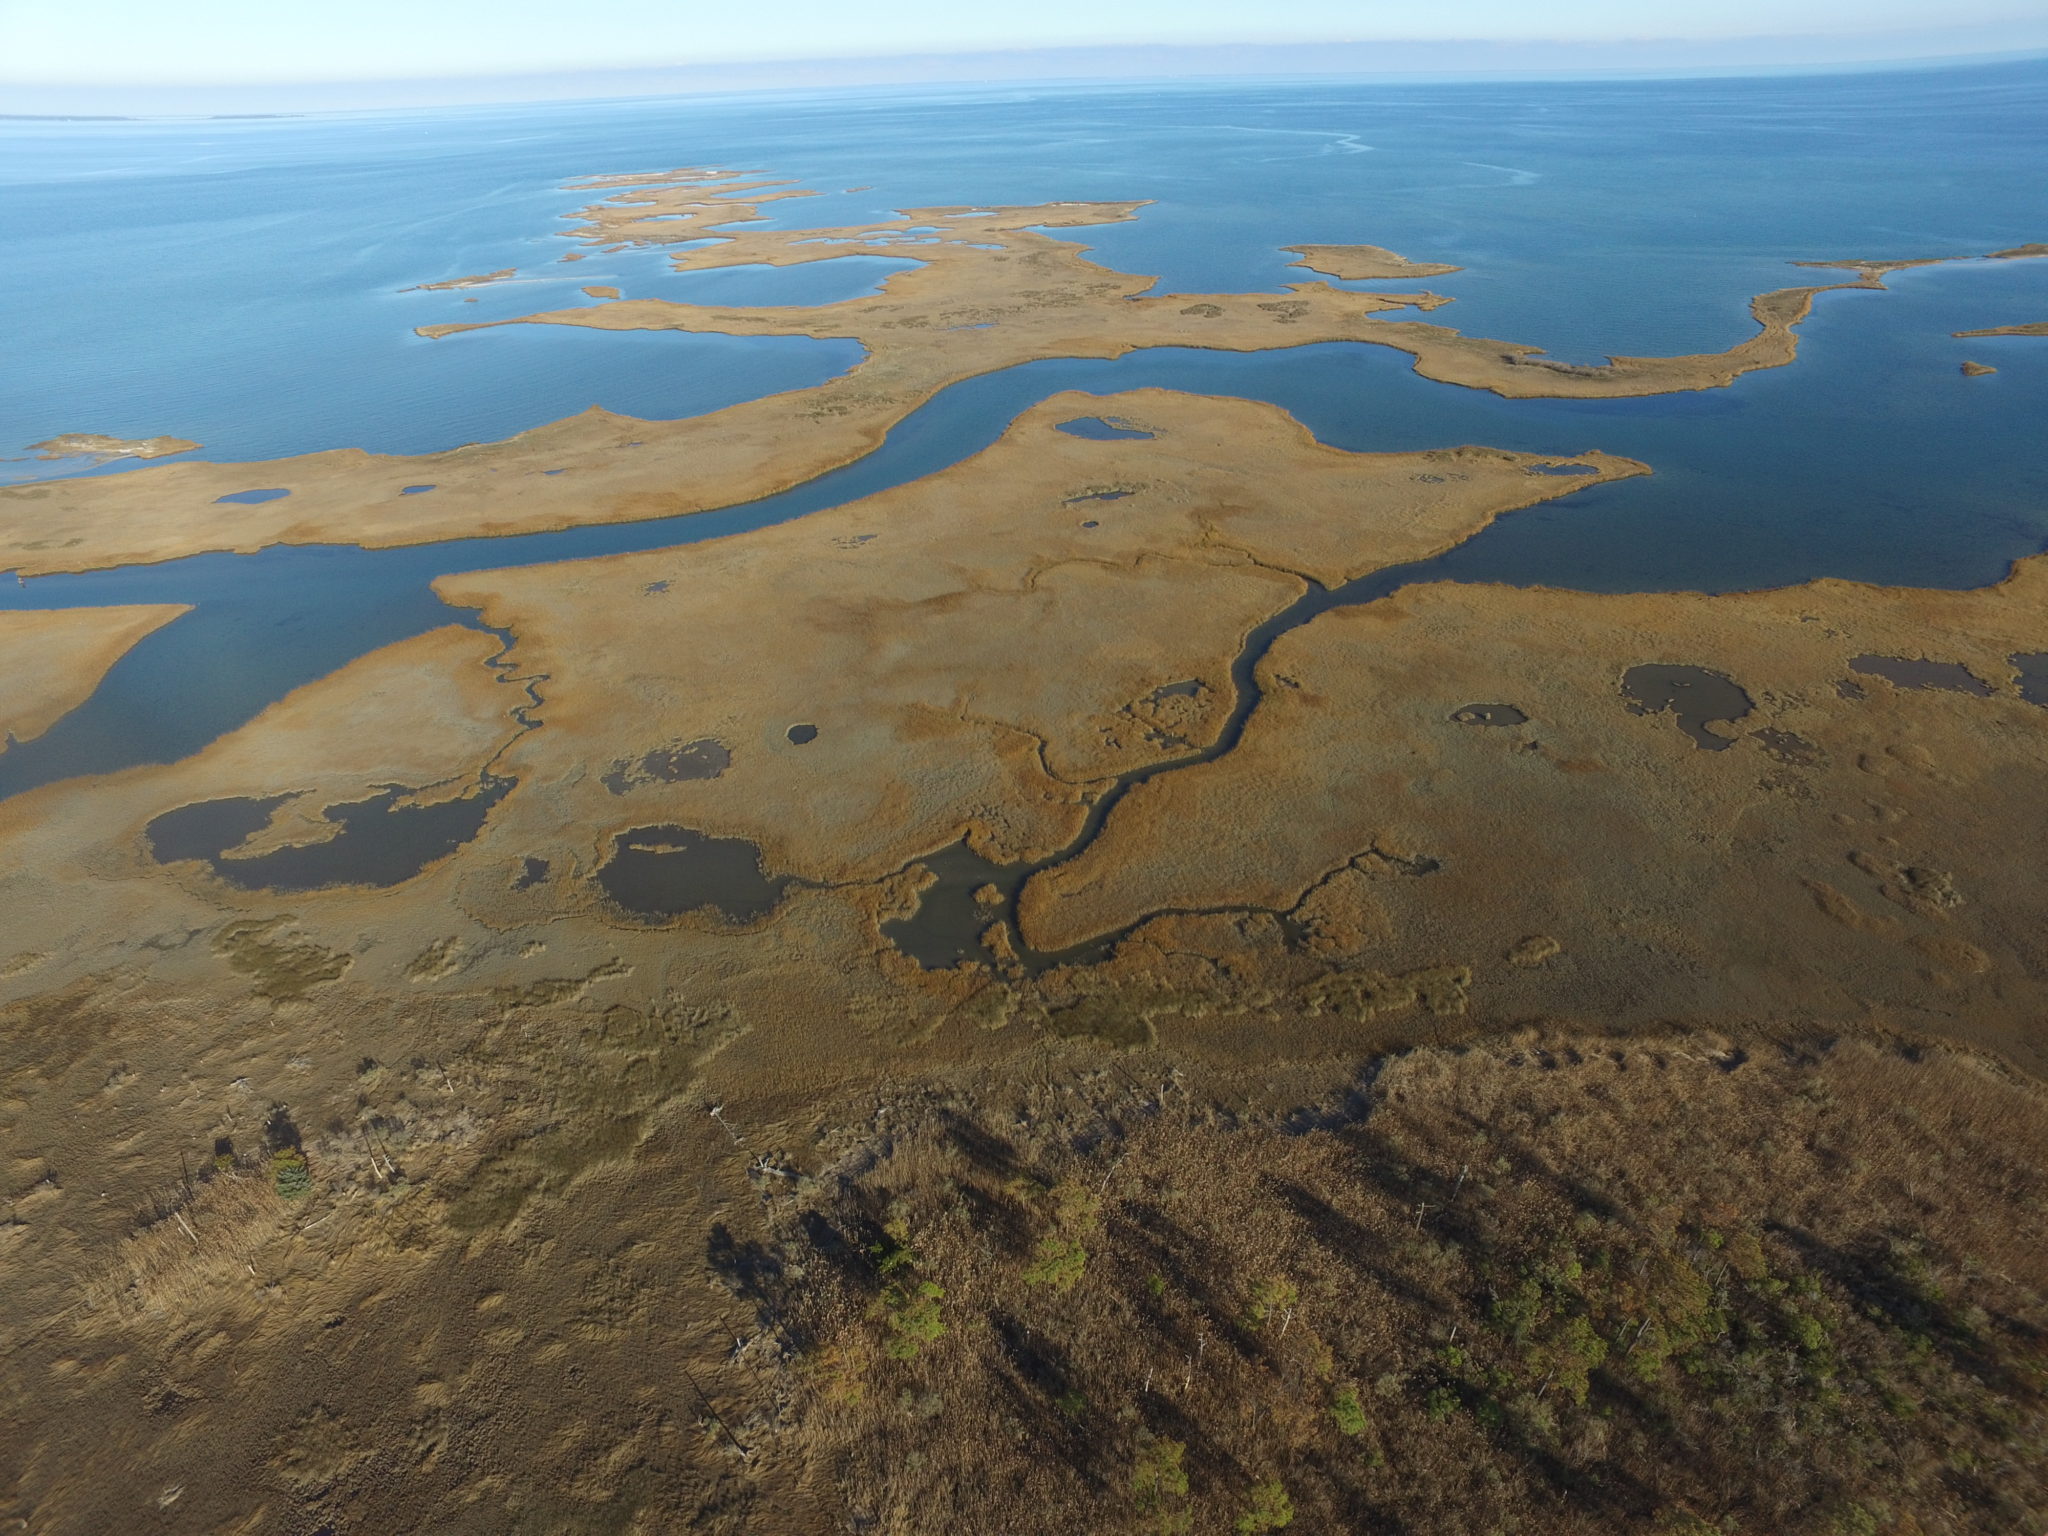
(151, 42)
(222, 55)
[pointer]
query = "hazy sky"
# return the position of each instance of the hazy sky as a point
(106, 42)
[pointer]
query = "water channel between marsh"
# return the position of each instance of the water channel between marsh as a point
(1784, 477)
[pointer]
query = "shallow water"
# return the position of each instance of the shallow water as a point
(1101, 429)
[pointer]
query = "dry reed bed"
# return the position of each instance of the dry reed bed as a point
(1531, 1286)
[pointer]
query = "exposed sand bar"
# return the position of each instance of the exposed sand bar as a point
(52, 660)
(2024, 328)
(474, 280)
(68, 445)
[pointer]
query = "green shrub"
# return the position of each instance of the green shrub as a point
(1059, 1264)
(1806, 1331)
(1159, 1486)
(1270, 1509)
(1348, 1413)
(1269, 1297)
(912, 1314)
(1075, 1206)
(294, 1178)
(894, 1251)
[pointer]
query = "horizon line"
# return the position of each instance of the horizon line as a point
(1419, 62)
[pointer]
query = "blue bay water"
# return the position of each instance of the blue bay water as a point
(239, 283)
(171, 277)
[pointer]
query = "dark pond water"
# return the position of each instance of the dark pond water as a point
(1919, 672)
(380, 841)
(664, 872)
(1489, 714)
(1697, 697)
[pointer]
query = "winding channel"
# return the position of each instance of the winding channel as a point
(266, 623)
(949, 922)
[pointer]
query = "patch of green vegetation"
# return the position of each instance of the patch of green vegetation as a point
(1159, 1486)
(550, 990)
(1269, 1299)
(1121, 1019)
(1075, 1205)
(1683, 1522)
(606, 1081)
(1270, 1509)
(908, 1308)
(291, 1173)
(547, 1163)
(911, 1312)
(1061, 1257)
(1059, 1264)
(1365, 994)
(893, 1251)
(991, 1007)
(1349, 1413)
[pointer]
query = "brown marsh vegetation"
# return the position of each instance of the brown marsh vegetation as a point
(547, 1283)
(1675, 1286)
